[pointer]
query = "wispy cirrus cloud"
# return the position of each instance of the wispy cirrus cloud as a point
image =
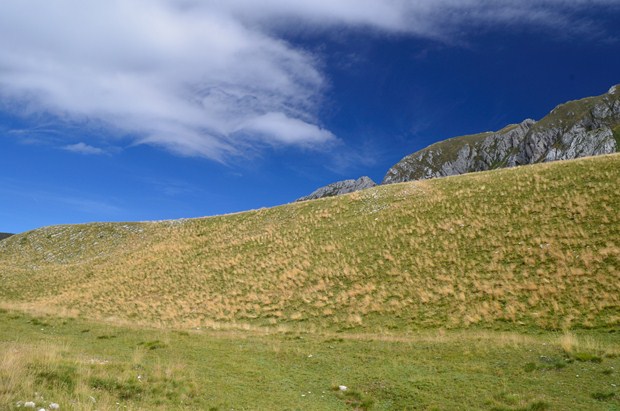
(83, 148)
(447, 20)
(39, 196)
(213, 78)
(195, 82)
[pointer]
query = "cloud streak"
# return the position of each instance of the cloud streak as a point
(156, 72)
(83, 148)
(41, 197)
(209, 78)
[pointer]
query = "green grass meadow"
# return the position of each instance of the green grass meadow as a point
(88, 366)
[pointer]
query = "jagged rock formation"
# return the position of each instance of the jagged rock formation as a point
(580, 128)
(4, 235)
(340, 187)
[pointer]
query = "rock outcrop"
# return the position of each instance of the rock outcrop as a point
(4, 235)
(578, 128)
(340, 187)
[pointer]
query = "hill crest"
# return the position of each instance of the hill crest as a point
(435, 253)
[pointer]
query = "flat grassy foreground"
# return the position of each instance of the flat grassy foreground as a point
(91, 366)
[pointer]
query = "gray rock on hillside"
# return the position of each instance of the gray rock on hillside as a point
(340, 187)
(580, 128)
(462, 155)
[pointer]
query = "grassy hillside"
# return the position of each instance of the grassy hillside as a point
(534, 246)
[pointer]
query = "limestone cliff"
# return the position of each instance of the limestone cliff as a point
(580, 128)
(340, 187)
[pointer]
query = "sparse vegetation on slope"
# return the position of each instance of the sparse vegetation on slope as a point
(531, 246)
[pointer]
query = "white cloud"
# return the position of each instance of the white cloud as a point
(83, 148)
(440, 19)
(150, 70)
(283, 129)
(210, 77)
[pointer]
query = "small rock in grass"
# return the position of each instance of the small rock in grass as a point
(54, 406)
(342, 387)
(29, 404)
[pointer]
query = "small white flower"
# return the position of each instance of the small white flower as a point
(342, 387)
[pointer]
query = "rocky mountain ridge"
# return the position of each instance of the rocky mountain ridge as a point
(579, 128)
(339, 188)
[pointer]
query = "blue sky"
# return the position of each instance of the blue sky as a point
(131, 110)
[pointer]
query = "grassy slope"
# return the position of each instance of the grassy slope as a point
(532, 246)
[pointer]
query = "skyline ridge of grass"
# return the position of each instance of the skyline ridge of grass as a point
(529, 246)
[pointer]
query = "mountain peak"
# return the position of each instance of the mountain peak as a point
(579, 128)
